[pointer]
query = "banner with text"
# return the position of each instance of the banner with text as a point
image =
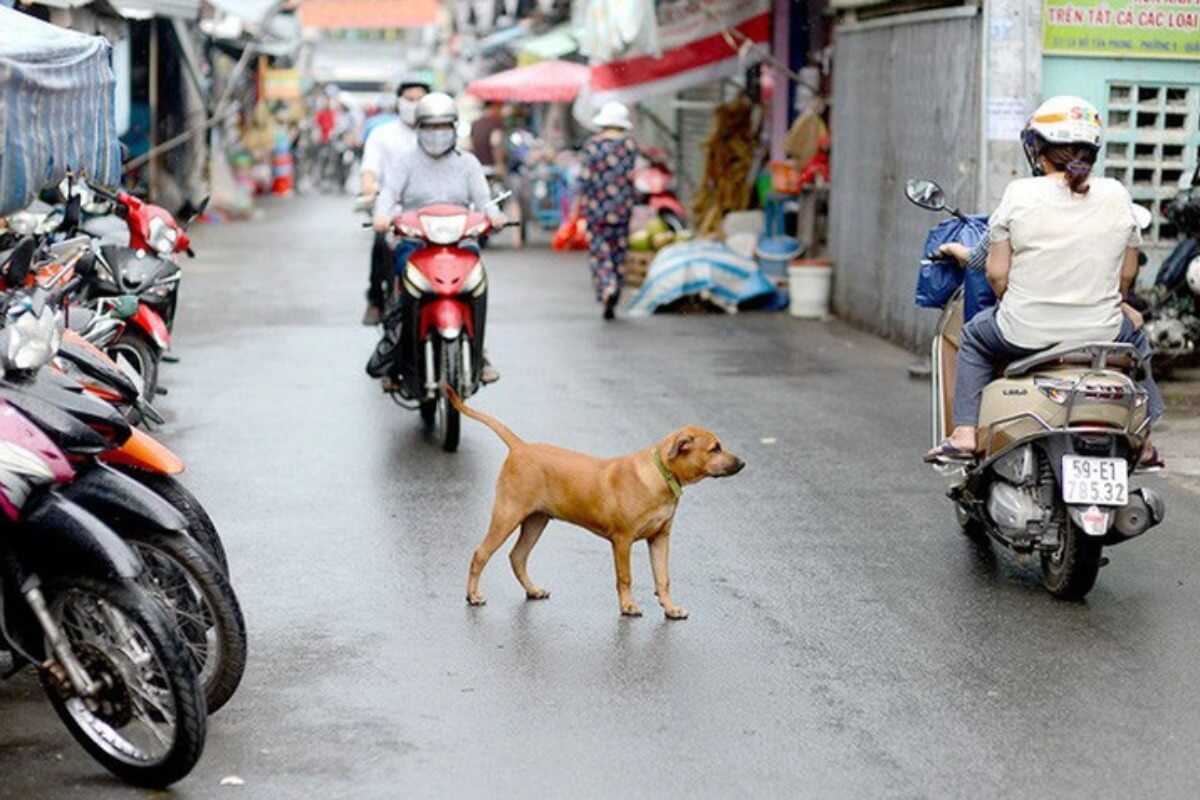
(1122, 28)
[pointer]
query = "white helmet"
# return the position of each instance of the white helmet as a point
(1193, 276)
(437, 108)
(1062, 120)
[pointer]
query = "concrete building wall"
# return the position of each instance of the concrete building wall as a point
(906, 102)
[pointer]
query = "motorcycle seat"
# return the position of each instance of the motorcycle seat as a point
(1095, 355)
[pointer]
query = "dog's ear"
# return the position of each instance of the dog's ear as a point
(681, 446)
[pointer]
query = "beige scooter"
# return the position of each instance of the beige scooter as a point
(1059, 433)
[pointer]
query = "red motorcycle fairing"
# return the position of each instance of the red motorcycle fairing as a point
(445, 267)
(448, 316)
(667, 202)
(152, 323)
(139, 213)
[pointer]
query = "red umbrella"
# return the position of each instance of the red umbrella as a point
(543, 82)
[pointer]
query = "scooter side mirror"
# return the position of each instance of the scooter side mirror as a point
(196, 214)
(72, 213)
(1142, 217)
(85, 267)
(925, 193)
(17, 269)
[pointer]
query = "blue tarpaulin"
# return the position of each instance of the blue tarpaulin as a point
(57, 94)
(702, 268)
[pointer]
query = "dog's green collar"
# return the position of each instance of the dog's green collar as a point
(671, 480)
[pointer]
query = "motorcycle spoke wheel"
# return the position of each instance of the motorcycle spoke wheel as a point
(146, 722)
(190, 586)
(149, 732)
(182, 598)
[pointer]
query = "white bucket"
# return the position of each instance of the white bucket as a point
(809, 286)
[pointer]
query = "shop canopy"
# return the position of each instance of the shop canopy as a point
(57, 95)
(544, 82)
(693, 44)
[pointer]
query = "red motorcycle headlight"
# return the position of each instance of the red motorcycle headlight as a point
(444, 230)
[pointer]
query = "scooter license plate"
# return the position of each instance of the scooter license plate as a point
(1095, 481)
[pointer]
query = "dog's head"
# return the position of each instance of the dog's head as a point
(693, 454)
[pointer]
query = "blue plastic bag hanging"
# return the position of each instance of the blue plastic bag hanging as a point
(939, 279)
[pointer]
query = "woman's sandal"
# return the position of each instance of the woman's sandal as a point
(610, 303)
(1151, 462)
(946, 451)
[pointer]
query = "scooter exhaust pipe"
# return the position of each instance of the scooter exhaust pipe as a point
(1144, 510)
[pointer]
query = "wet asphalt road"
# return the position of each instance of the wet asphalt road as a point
(845, 640)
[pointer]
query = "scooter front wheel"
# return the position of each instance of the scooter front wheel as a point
(449, 420)
(142, 355)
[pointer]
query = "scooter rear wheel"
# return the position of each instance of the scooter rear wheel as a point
(1069, 572)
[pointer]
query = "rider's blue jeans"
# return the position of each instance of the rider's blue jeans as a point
(983, 347)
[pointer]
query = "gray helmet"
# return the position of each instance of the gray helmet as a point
(437, 108)
(413, 81)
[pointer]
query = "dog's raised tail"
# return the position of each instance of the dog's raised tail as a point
(502, 430)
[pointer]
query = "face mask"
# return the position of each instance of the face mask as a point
(436, 143)
(408, 111)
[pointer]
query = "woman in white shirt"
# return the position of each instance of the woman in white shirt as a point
(1062, 256)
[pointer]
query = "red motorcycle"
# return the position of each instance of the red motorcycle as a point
(654, 182)
(442, 316)
(146, 267)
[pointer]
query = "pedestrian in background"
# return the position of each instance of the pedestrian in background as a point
(606, 198)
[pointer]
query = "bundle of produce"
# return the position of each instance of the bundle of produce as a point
(655, 236)
(729, 157)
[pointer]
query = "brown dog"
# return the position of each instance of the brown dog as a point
(623, 499)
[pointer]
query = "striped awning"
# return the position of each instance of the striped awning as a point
(698, 44)
(56, 108)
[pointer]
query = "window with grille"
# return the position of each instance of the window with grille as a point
(1152, 139)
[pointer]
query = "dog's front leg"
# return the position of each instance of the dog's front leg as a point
(621, 546)
(660, 550)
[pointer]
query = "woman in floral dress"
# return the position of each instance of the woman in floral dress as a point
(606, 197)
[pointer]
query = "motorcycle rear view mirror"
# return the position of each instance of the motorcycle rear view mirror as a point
(72, 213)
(196, 214)
(16, 271)
(925, 193)
(85, 267)
(1142, 217)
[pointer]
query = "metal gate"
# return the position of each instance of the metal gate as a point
(905, 103)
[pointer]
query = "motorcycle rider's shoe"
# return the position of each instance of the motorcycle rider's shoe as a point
(373, 315)
(948, 452)
(390, 385)
(488, 374)
(1151, 462)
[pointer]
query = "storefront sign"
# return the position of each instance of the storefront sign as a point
(1122, 28)
(281, 84)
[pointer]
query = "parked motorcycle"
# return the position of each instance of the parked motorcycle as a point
(111, 662)
(654, 182)
(436, 334)
(1171, 307)
(186, 580)
(1059, 434)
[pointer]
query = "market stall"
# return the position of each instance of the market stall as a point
(57, 95)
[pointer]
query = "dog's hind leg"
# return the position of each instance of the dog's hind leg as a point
(531, 531)
(506, 516)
